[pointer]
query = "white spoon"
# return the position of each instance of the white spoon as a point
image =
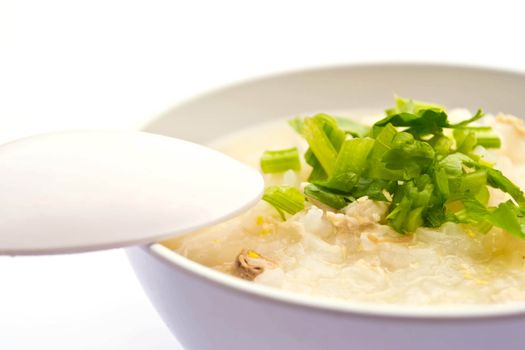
(89, 190)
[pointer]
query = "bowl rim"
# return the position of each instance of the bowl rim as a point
(402, 311)
(482, 68)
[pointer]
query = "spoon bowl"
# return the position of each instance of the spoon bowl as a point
(77, 191)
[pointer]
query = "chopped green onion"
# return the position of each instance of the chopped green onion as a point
(410, 201)
(425, 122)
(280, 161)
(284, 198)
(317, 174)
(479, 114)
(441, 180)
(442, 144)
(429, 175)
(374, 189)
(408, 155)
(414, 219)
(404, 105)
(320, 144)
(483, 195)
(465, 140)
(453, 163)
(319, 194)
(350, 163)
(383, 143)
(435, 216)
(399, 215)
(488, 140)
(352, 127)
(497, 180)
(473, 182)
(504, 216)
(335, 134)
(353, 155)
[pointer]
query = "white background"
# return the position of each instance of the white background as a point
(87, 64)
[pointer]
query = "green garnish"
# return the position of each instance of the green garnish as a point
(426, 168)
(325, 196)
(411, 199)
(284, 199)
(349, 164)
(280, 161)
(410, 106)
(352, 127)
(325, 138)
(497, 180)
(488, 140)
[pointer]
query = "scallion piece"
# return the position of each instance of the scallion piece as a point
(280, 161)
(353, 155)
(321, 195)
(383, 143)
(320, 144)
(285, 199)
(352, 127)
(479, 114)
(496, 179)
(405, 105)
(473, 182)
(488, 140)
(350, 164)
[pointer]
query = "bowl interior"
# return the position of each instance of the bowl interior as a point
(217, 113)
(365, 87)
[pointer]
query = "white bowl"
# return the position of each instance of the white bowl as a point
(206, 309)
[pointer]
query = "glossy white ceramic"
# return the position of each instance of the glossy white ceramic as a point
(74, 191)
(209, 310)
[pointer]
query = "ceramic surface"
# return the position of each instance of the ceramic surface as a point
(209, 310)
